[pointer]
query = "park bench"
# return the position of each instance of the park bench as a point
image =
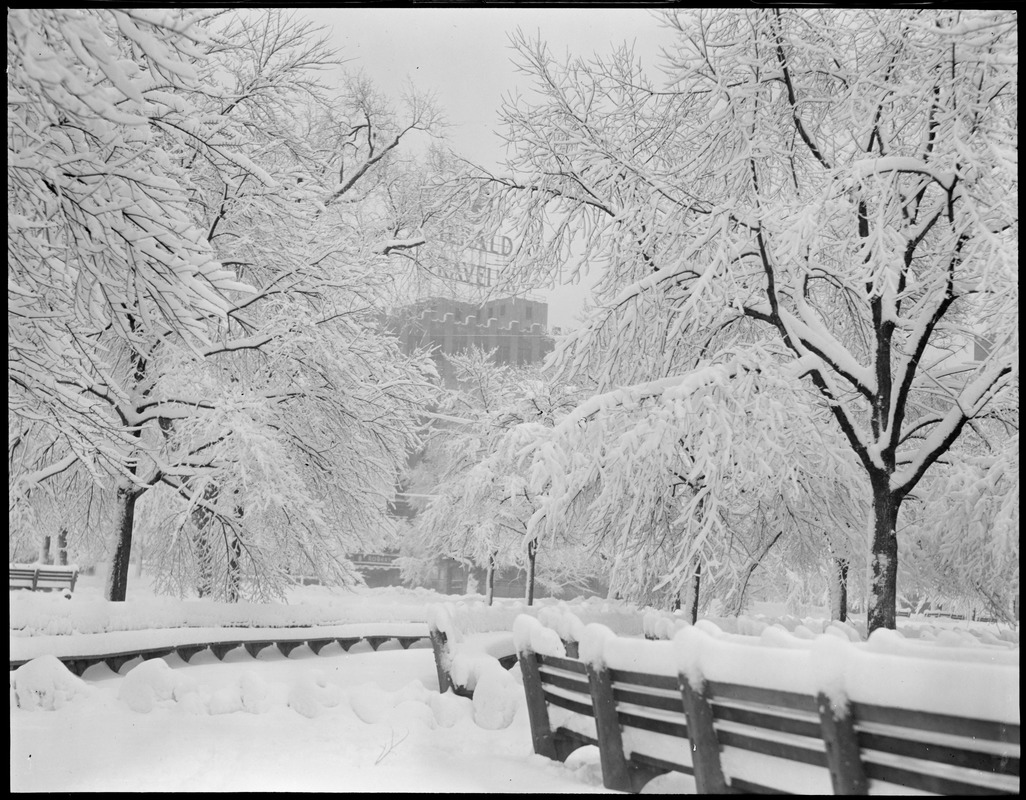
(497, 645)
(467, 635)
(43, 578)
(732, 737)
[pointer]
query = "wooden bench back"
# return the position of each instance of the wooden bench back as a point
(936, 753)
(733, 737)
(42, 578)
(559, 704)
(649, 730)
(769, 741)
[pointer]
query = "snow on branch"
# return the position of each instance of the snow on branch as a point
(674, 387)
(906, 164)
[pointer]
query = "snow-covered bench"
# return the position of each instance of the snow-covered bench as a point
(777, 713)
(44, 578)
(464, 637)
(469, 635)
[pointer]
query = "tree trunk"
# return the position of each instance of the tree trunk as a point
(695, 593)
(204, 573)
(490, 579)
(138, 559)
(883, 580)
(117, 580)
(839, 590)
(234, 554)
(690, 604)
(62, 547)
(739, 602)
(44, 551)
(201, 519)
(532, 554)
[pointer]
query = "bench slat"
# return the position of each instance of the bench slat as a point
(584, 709)
(564, 682)
(767, 720)
(938, 784)
(568, 664)
(640, 759)
(741, 786)
(668, 683)
(940, 723)
(772, 747)
(648, 700)
(652, 724)
(759, 696)
(953, 756)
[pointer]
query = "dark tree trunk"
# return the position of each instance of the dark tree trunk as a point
(201, 519)
(117, 580)
(883, 580)
(532, 554)
(62, 547)
(234, 554)
(44, 551)
(695, 593)
(839, 609)
(690, 604)
(125, 500)
(490, 579)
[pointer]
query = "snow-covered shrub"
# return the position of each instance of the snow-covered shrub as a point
(45, 684)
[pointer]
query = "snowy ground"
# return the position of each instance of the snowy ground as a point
(361, 721)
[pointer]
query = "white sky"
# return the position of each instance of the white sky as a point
(462, 56)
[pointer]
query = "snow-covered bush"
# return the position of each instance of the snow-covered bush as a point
(45, 684)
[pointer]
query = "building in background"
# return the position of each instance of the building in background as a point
(515, 328)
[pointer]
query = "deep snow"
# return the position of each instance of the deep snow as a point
(360, 721)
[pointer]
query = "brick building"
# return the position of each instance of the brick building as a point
(515, 327)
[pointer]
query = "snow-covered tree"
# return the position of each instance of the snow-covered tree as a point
(480, 499)
(192, 287)
(815, 202)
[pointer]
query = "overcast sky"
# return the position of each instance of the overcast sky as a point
(462, 56)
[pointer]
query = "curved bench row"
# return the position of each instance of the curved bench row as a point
(78, 663)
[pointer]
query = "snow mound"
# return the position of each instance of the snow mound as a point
(226, 700)
(149, 684)
(449, 708)
(313, 693)
(370, 702)
(45, 684)
(496, 698)
(254, 693)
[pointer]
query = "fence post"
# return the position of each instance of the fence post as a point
(705, 747)
(842, 750)
(537, 712)
(615, 772)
